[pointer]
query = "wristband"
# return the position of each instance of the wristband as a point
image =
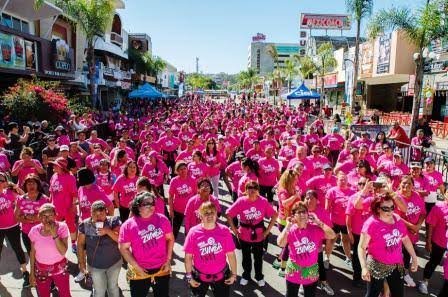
(188, 277)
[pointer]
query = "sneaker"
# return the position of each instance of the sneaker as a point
(326, 262)
(261, 283)
(281, 272)
(79, 277)
(26, 279)
(409, 281)
(74, 249)
(348, 262)
(326, 287)
(276, 264)
(423, 288)
(301, 291)
(243, 281)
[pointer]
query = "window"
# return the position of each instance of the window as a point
(6, 20)
(16, 24)
(25, 27)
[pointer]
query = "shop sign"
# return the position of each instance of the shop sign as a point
(325, 21)
(436, 66)
(384, 44)
(12, 54)
(303, 40)
(371, 129)
(259, 37)
(331, 81)
(61, 55)
(366, 58)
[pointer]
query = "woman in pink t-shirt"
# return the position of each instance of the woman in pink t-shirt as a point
(147, 233)
(435, 183)
(383, 235)
(144, 185)
(250, 169)
(105, 178)
(125, 189)
(269, 174)
(209, 251)
(251, 210)
(303, 234)
(26, 165)
(198, 169)
(9, 227)
(181, 189)
(156, 171)
(215, 161)
(49, 243)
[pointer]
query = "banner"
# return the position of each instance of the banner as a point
(12, 53)
(366, 59)
(325, 21)
(384, 45)
(373, 130)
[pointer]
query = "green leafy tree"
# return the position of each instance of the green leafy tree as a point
(93, 17)
(306, 66)
(359, 9)
(199, 81)
(421, 27)
(290, 71)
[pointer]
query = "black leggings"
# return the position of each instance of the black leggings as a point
(161, 287)
(355, 259)
(444, 290)
(322, 270)
(13, 236)
(435, 257)
(124, 213)
(292, 289)
(247, 249)
(27, 242)
(395, 282)
(219, 289)
(266, 191)
(177, 222)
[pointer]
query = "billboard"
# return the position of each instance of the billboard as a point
(366, 59)
(383, 65)
(12, 54)
(325, 21)
(259, 37)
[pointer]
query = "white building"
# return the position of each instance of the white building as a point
(260, 60)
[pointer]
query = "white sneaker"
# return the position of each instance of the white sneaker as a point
(301, 291)
(261, 283)
(409, 281)
(423, 288)
(79, 277)
(243, 281)
(326, 287)
(348, 262)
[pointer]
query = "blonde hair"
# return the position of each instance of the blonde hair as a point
(47, 207)
(207, 207)
(286, 181)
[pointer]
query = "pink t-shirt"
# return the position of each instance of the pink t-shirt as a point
(283, 212)
(45, 246)
(304, 247)
(316, 164)
(435, 179)
(7, 204)
(339, 200)
(169, 144)
(416, 208)
(358, 216)
(182, 189)
(62, 192)
(93, 161)
(198, 170)
(333, 141)
(255, 154)
(31, 208)
(4, 163)
(209, 248)
(438, 219)
(344, 155)
(421, 183)
(268, 172)
(126, 188)
(24, 171)
(321, 185)
(147, 237)
(155, 174)
(287, 153)
(213, 160)
(235, 173)
(192, 217)
(105, 181)
(251, 213)
(185, 156)
(265, 143)
(385, 245)
(244, 180)
(86, 196)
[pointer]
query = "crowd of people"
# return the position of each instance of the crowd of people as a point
(98, 189)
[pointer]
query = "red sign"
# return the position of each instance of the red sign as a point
(330, 81)
(325, 21)
(258, 37)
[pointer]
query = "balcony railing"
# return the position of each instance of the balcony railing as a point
(116, 39)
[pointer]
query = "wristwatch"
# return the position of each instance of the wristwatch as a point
(188, 277)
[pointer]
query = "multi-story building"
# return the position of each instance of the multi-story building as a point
(260, 59)
(168, 79)
(142, 43)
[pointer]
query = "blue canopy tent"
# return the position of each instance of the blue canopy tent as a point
(146, 92)
(302, 92)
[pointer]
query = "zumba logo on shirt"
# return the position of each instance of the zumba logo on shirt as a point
(150, 235)
(56, 186)
(412, 210)
(396, 172)
(196, 171)
(4, 204)
(304, 247)
(268, 168)
(252, 214)
(392, 239)
(129, 188)
(184, 189)
(432, 181)
(208, 249)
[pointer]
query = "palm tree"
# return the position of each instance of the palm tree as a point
(290, 71)
(324, 62)
(359, 10)
(93, 17)
(306, 66)
(421, 27)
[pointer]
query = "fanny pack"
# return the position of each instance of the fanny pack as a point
(44, 271)
(306, 272)
(131, 274)
(210, 278)
(253, 234)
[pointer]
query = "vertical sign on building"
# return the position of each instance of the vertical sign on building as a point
(383, 65)
(303, 39)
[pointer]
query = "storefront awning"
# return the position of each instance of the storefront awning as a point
(25, 9)
(387, 79)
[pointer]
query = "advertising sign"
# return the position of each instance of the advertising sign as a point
(331, 81)
(366, 59)
(61, 57)
(259, 37)
(371, 129)
(12, 53)
(325, 21)
(383, 64)
(303, 40)
(30, 55)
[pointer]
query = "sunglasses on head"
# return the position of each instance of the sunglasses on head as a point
(387, 208)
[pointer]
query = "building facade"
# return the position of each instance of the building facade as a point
(260, 60)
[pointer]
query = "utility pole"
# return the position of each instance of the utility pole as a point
(197, 64)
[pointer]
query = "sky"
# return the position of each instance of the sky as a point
(219, 32)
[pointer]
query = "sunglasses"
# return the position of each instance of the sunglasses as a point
(204, 186)
(301, 212)
(147, 204)
(209, 213)
(387, 208)
(252, 188)
(361, 184)
(386, 148)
